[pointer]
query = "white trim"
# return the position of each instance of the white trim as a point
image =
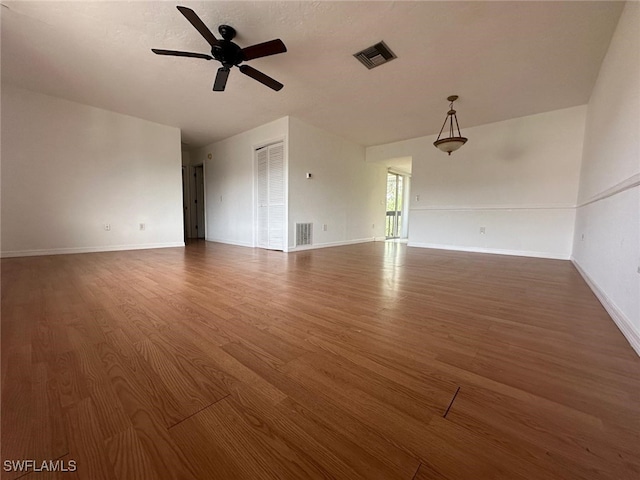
(629, 183)
(496, 251)
(494, 207)
(330, 244)
(402, 173)
(624, 324)
(380, 239)
(105, 248)
(230, 242)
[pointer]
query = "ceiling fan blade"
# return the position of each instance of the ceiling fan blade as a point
(221, 79)
(199, 25)
(261, 77)
(265, 49)
(177, 53)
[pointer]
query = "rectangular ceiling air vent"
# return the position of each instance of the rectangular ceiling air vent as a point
(375, 56)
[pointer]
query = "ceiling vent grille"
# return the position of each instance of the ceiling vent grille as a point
(375, 56)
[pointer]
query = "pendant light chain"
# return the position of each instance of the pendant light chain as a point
(457, 125)
(451, 115)
(445, 122)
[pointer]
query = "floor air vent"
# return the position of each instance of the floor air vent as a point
(375, 56)
(304, 232)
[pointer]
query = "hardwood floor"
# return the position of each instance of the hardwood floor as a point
(373, 361)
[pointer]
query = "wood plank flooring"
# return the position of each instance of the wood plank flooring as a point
(223, 362)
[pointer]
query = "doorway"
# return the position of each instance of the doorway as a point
(185, 202)
(394, 225)
(193, 201)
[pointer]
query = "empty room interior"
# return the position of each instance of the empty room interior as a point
(350, 240)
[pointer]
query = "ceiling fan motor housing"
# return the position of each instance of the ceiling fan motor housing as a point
(227, 53)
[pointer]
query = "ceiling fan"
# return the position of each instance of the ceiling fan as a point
(228, 53)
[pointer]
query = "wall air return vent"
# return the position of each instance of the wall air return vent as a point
(375, 56)
(304, 233)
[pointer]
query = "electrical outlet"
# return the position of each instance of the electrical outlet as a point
(417, 198)
(107, 227)
(482, 230)
(142, 226)
(324, 227)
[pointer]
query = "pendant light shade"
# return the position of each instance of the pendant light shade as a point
(452, 142)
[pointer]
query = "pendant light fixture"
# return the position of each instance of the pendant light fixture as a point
(450, 143)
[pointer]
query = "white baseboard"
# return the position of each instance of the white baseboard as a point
(103, 248)
(380, 239)
(496, 251)
(330, 244)
(624, 324)
(230, 242)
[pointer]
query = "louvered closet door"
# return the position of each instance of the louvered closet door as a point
(276, 197)
(263, 197)
(271, 197)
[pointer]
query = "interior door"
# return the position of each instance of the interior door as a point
(276, 197)
(199, 201)
(262, 158)
(270, 197)
(185, 202)
(196, 202)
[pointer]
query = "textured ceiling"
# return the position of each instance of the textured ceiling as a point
(504, 60)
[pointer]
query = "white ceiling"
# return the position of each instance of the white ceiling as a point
(504, 60)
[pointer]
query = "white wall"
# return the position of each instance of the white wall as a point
(517, 178)
(344, 192)
(229, 182)
(607, 240)
(68, 168)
